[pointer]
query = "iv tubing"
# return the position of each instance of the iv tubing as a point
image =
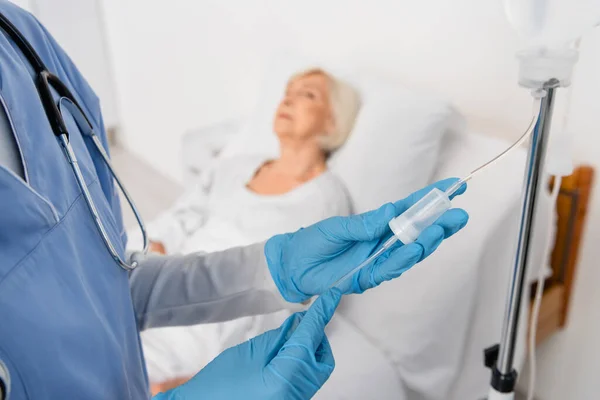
(536, 113)
(537, 94)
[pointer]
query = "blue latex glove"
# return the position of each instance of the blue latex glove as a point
(291, 362)
(309, 261)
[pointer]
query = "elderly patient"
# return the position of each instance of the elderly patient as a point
(251, 199)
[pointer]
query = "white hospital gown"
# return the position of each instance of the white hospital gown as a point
(229, 215)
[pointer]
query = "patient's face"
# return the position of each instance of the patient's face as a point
(304, 111)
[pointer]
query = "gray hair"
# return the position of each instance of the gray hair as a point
(344, 101)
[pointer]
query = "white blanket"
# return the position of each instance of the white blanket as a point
(221, 213)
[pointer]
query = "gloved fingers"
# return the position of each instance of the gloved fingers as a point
(300, 368)
(308, 349)
(389, 266)
(361, 227)
(288, 327)
(448, 224)
(345, 286)
(269, 343)
(429, 240)
(311, 329)
(401, 258)
(442, 185)
(445, 184)
(374, 224)
(453, 221)
(324, 354)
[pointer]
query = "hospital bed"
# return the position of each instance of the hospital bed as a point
(462, 286)
(421, 336)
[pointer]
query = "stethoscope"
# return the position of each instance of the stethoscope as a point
(44, 82)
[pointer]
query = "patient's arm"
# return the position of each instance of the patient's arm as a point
(203, 288)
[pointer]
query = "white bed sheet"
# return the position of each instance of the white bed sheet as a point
(362, 370)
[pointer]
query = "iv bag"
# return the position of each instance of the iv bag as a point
(552, 23)
(550, 28)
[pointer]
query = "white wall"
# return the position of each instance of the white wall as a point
(202, 61)
(25, 4)
(184, 64)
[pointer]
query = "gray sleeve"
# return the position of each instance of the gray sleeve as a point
(203, 288)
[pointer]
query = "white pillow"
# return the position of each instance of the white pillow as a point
(394, 145)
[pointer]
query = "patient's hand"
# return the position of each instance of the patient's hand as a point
(157, 247)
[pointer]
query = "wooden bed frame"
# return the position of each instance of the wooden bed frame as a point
(572, 207)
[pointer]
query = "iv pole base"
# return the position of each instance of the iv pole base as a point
(504, 383)
(495, 395)
(501, 383)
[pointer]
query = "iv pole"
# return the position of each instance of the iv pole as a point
(499, 358)
(546, 69)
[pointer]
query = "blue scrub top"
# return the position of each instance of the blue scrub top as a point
(67, 324)
(69, 315)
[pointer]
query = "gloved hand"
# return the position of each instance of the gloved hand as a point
(291, 362)
(309, 261)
